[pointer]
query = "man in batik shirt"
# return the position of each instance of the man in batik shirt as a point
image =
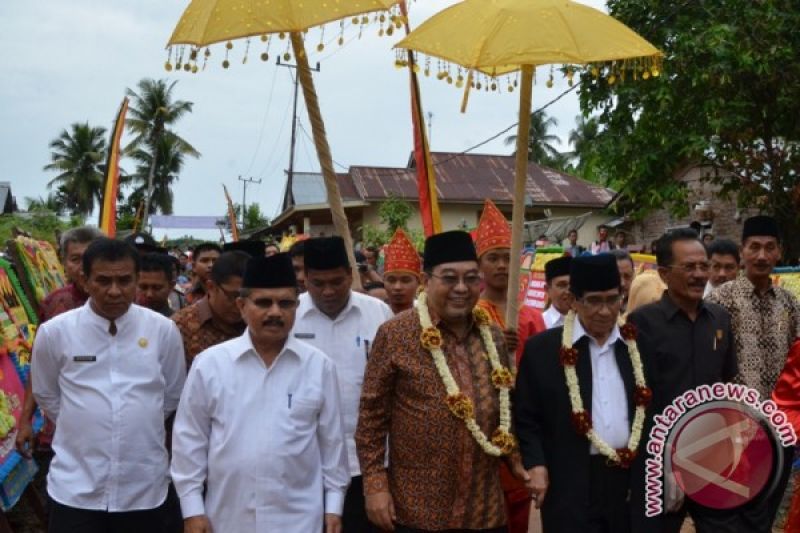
(765, 320)
(439, 477)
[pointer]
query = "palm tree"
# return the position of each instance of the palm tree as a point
(79, 154)
(52, 203)
(541, 144)
(165, 168)
(153, 110)
(583, 138)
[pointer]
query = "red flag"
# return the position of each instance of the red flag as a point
(426, 178)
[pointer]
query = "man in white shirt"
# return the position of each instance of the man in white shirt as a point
(258, 443)
(556, 273)
(109, 373)
(343, 324)
(578, 487)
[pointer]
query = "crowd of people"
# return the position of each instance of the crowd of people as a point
(271, 396)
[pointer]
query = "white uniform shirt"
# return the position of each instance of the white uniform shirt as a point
(609, 401)
(109, 396)
(347, 340)
(552, 318)
(268, 442)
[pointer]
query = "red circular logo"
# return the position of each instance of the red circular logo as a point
(722, 457)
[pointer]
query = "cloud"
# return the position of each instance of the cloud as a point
(71, 61)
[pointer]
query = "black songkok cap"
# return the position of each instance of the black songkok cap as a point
(448, 247)
(144, 243)
(269, 272)
(557, 267)
(593, 273)
(326, 253)
(760, 226)
(251, 248)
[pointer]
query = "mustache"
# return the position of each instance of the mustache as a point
(274, 322)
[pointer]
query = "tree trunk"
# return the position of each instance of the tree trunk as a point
(151, 174)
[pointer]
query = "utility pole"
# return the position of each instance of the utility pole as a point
(289, 199)
(245, 181)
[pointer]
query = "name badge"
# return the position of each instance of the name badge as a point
(85, 358)
(304, 335)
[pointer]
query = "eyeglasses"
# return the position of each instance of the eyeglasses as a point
(229, 294)
(450, 280)
(596, 303)
(267, 303)
(688, 268)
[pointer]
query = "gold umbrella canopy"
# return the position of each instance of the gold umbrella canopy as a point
(205, 22)
(490, 38)
(499, 36)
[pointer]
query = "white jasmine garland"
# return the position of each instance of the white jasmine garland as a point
(502, 434)
(576, 401)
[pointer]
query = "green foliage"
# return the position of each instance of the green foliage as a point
(79, 155)
(728, 97)
(168, 165)
(157, 149)
(395, 213)
(585, 159)
(41, 225)
(254, 218)
(52, 203)
(541, 143)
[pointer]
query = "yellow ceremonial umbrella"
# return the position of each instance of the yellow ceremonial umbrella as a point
(206, 22)
(491, 38)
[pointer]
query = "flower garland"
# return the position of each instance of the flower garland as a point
(581, 418)
(501, 442)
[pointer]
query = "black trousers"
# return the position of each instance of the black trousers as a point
(173, 519)
(65, 519)
(354, 516)
(609, 489)
(754, 517)
(758, 516)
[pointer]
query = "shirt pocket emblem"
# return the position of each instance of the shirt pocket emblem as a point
(143, 342)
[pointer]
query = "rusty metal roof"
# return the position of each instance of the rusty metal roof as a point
(471, 178)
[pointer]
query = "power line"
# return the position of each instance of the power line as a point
(263, 125)
(277, 142)
(475, 146)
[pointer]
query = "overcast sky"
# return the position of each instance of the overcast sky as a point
(65, 62)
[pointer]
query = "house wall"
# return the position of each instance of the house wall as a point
(727, 219)
(454, 215)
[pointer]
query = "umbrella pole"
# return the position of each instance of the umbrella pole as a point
(324, 153)
(520, 180)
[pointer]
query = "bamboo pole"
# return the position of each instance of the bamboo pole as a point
(520, 180)
(340, 223)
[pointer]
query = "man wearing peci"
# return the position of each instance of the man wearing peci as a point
(109, 373)
(579, 408)
(258, 441)
(342, 324)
